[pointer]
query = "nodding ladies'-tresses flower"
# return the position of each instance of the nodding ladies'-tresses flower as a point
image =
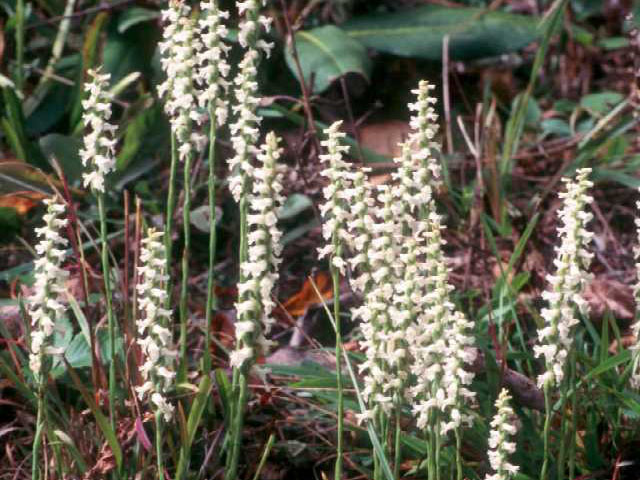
(259, 272)
(155, 338)
(179, 60)
(213, 67)
(437, 340)
(635, 349)
(98, 152)
(503, 428)
(335, 209)
(245, 130)
(564, 295)
(45, 307)
(382, 343)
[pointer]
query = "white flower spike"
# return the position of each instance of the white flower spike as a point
(258, 275)
(98, 151)
(564, 295)
(245, 130)
(501, 446)
(155, 338)
(213, 67)
(45, 306)
(335, 210)
(179, 50)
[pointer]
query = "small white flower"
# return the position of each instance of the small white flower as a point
(98, 151)
(155, 339)
(564, 295)
(503, 428)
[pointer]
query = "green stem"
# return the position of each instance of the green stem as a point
(563, 432)
(211, 297)
(37, 437)
(171, 205)
(237, 426)
(159, 453)
(19, 37)
(110, 319)
(574, 416)
(335, 275)
(547, 424)
(458, 454)
(431, 453)
(397, 449)
(184, 312)
(438, 447)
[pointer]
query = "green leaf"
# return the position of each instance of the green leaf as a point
(608, 364)
(326, 54)
(295, 204)
(599, 104)
(419, 32)
(134, 15)
(556, 126)
(65, 150)
(200, 217)
(130, 51)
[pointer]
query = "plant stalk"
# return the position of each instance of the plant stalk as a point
(37, 437)
(110, 318)
(211, 296)
(184, 312)
(159, 453)
(335, 275)
(547, 424)
(171, 205)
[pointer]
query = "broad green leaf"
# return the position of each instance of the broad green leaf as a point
(130, 51)
(600, 103)
(419, 32)
(294, 204)
(65, 150)
(326, 54)
(134, 15)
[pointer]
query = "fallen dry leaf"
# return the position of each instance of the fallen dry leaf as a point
(604, 295)
(298, 304)
(22, 201)
(385, 138)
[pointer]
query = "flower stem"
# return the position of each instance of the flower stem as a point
(184, 312)
(546, 432)
(458, 454)
(211, 297)
(110, 319)
(236, 426)
(171, 205)
(37, 436)
(574, 417)
(397, 443)
(159, 454)
(335, 275)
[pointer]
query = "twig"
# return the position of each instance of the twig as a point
(291, 40)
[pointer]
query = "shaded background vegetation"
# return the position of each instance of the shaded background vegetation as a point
(534, 91)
